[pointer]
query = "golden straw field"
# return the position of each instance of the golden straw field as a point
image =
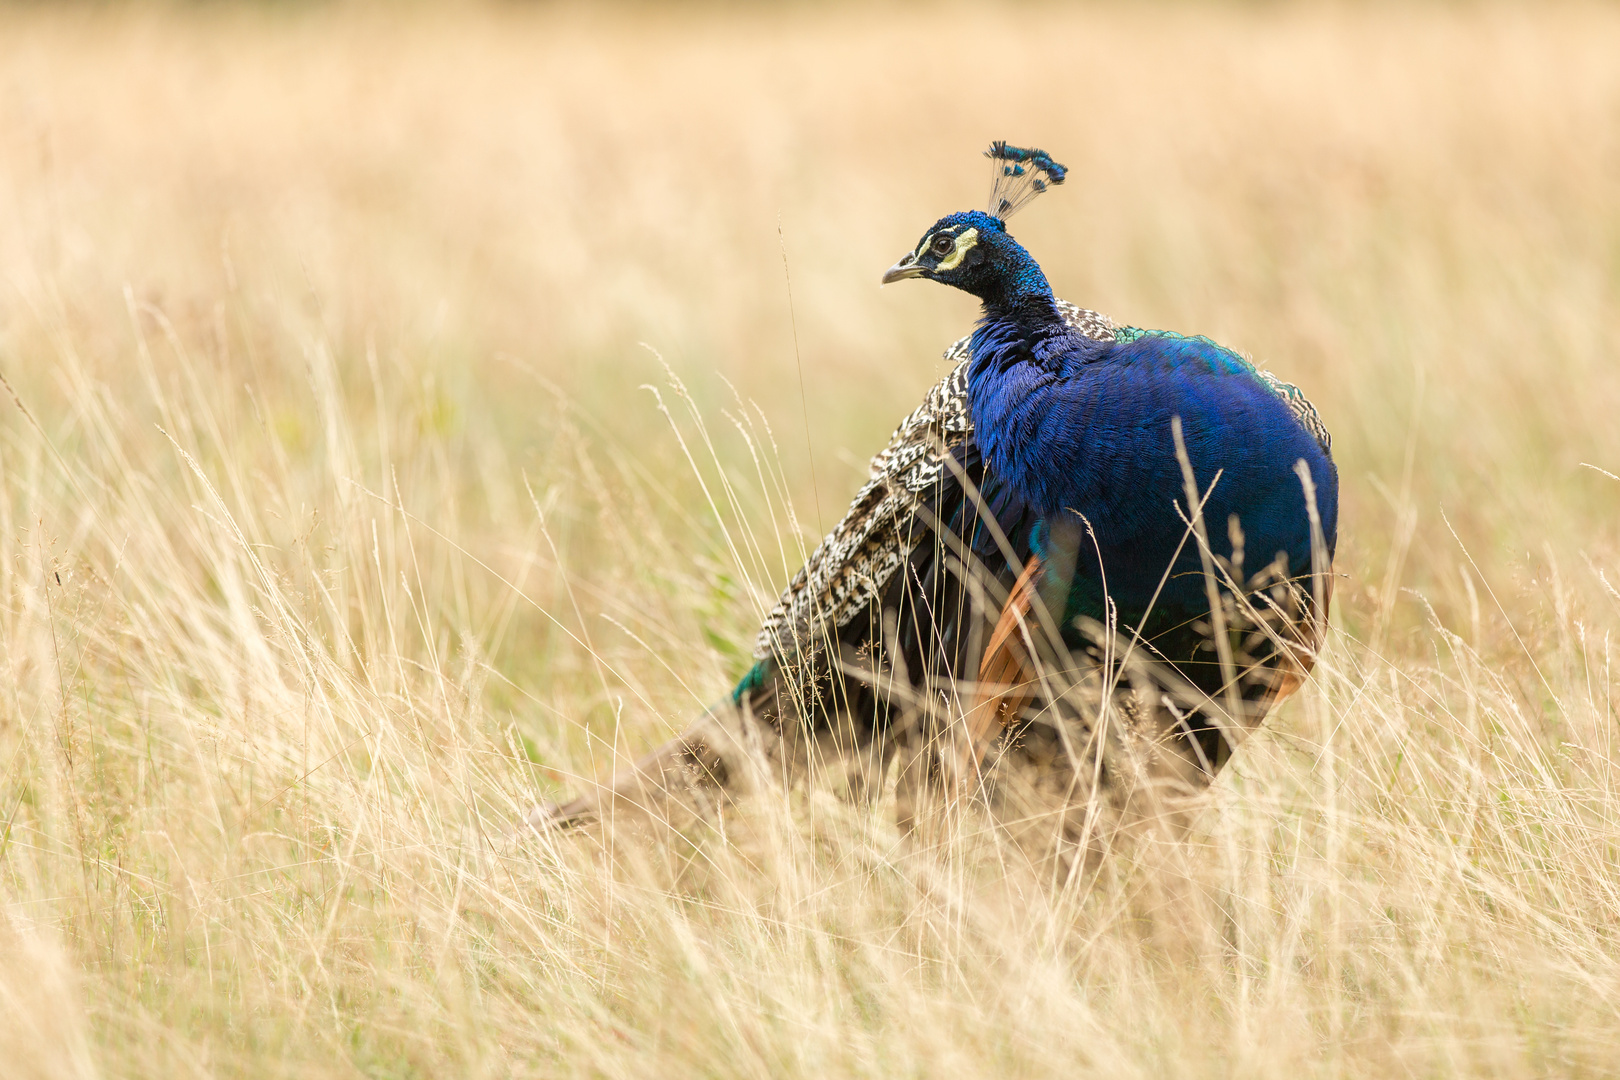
(406, 410)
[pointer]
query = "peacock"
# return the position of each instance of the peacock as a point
(1094, 555)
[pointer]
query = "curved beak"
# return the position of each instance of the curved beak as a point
(907, 267)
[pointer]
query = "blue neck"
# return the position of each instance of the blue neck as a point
(1010, 282)
(1021, 323)
(1020, 347)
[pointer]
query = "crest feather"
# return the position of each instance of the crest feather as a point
(1020, 176)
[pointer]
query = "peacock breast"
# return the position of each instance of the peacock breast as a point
(1096, 438)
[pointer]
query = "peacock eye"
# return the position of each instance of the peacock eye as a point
(942, 244)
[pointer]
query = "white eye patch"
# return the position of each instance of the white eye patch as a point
(964, 244)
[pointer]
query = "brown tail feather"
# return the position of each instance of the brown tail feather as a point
(1006, 678)
(1296, 665)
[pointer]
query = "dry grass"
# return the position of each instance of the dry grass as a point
(336, 530)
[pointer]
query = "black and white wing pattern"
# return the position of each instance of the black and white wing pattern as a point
(859, 557)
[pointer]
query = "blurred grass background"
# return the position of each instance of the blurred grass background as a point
(338, 527)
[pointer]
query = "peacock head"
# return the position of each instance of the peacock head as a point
(972, 250)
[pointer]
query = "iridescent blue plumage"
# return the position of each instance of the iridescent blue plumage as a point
(1084, 427)
(1039, 485)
